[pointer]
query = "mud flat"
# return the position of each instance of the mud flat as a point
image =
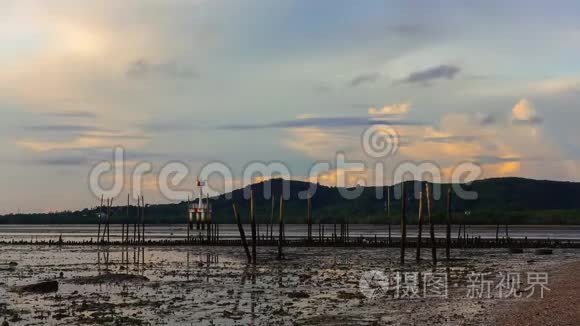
(558, 307)
(201, 285)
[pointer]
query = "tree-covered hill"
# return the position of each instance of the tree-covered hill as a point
(513, 200)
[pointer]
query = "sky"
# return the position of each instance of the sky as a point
(496, 83)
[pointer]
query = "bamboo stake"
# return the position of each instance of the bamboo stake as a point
(448, 242)
(126, 219)
(281, 229)
(389, 212)
(459, 229)
(143, 219)
(242, 233)
(253, 221)
(272, 219)
(420, 226)
(188, 223)
(431, 226)
(309, 218)
(99, 220)
(135, 224)
(110, 203)
(403, 222)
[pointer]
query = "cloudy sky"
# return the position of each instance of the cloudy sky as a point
(496, 83)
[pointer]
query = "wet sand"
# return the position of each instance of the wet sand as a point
(205, 285)
(560, 306)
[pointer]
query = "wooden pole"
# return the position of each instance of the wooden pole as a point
(309, 218)
(460, 219)
(281, 229)
(253, 221)
(242, 233)
(143, 220)
(135, 221)
(403, 222)
(448, 242)
(389, 212)
(208, 219)
(272, 218)
(188, 221)
(431, 225)
(420, 226)
(126, 220)
(110, 203)
(99, 220)
(127, 229)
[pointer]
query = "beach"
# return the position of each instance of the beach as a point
(203, 285)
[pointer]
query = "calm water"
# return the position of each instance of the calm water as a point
(157, 232)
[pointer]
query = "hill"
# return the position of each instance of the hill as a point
(513, 200)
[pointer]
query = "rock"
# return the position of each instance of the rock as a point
(349, 295)
(298, 295)
(41, 287)
(543, 252)
(109, 278)
(12, 263)
(516, 251)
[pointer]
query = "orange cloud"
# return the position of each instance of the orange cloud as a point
(393, 109)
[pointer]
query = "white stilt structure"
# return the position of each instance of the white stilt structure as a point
(202, 211)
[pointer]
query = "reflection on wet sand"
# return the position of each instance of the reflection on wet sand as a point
(193, 284)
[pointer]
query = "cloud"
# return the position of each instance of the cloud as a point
(319, 122)
(485, 119)
(367, 78)
(408, 29)
(431, 74)
(393, 109)
(450, 139)
(524, 112)
(490, 159)
(142, 69)
(84, 141)
(73, 114)
(170, 126)
(65, 128)
(64, 161)
(555, 86)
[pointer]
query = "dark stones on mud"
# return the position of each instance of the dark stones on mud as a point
(40, 287)
(109, 278)
(298, 295)
(350, 295)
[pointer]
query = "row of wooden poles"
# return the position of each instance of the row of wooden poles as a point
(138, 222)
(252, 256)
(281, 234)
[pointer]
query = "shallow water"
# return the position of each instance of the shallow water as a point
(71, 232)
(197, 285)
